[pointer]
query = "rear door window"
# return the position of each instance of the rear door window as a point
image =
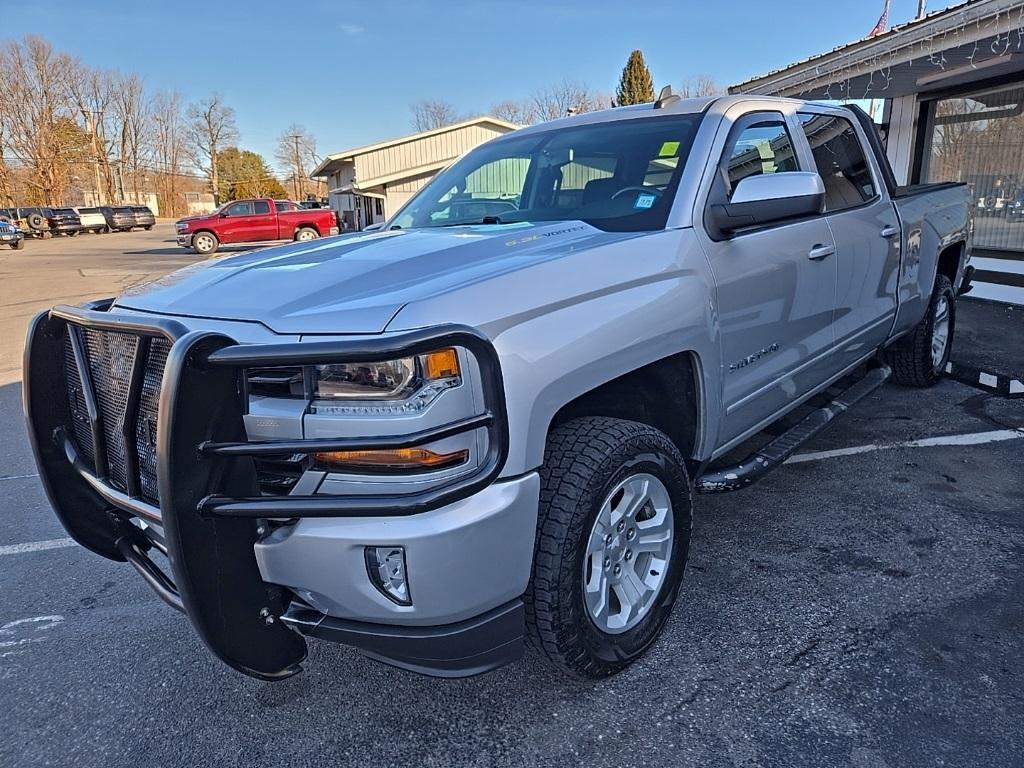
(839, 158)
(262, 207)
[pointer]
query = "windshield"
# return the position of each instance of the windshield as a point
(616, 176)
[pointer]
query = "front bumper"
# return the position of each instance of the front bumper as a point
(184, 239)
(208, 521)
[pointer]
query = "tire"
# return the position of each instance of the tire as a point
(35, 221)
(919, 358)
(586, 463)
(73, 233)
(148, 227)
(204, 243)
(46, 234)
(18, 245)
(305, 234)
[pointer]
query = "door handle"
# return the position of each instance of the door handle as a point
(819, 252)
(889, 231)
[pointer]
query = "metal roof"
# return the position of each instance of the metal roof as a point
(367, 148)
(965, 35)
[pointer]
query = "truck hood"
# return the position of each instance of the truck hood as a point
(357, 283)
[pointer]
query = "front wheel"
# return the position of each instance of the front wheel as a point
(613, 536)
(148, 227)
(305, 234)
(17, 245)
(920, 357)
(205, 243)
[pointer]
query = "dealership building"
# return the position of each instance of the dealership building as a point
(948, 92)
(367, 184)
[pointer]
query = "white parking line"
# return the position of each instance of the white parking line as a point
(18, 477)
(972, 438)
(35, 546)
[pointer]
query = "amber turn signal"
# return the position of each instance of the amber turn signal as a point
(400, 459)
(442, 364)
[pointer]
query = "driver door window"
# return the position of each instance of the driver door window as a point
(239, 209)
(761, 147)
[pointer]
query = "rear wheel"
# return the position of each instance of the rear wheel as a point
(205, 243)
(305, 234)
(920, 357)
(612, 541)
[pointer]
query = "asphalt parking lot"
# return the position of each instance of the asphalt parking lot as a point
(860, 608)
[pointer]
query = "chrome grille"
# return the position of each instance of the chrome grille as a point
(111, 358)
(145, 424)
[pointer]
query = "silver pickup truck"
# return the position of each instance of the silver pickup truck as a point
(484, 422)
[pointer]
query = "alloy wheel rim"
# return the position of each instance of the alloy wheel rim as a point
(305, 236)
(204, 243)
(628, 553)
(940, 331)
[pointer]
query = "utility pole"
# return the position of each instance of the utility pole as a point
(297, 168)
(921, 7)
(100, 197)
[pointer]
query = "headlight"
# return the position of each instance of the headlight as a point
(407, 383)
(385, 380)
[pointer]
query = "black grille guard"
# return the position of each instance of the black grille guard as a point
(209, 498)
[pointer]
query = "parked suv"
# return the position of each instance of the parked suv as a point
(31, 221)
(143, 216)
(119, 219)
(92, 219)
(10, 235)
(65, 221)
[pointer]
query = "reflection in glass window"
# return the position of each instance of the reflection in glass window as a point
(763, 147)
(839, 158)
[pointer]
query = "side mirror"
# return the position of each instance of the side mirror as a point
(769, 199)
(374, 227)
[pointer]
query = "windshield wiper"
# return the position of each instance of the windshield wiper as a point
(484, 220)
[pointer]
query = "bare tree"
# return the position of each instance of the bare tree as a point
(92, 93)
(569, 97)
(131, 115)
(39, 129)
(700, 85)
(518, 112)
(168, 148)
(432, 113)
(211, 127)
(296, 154)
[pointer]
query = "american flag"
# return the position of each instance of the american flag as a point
(883, 22)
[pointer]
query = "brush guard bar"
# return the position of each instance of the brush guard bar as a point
(209, 499)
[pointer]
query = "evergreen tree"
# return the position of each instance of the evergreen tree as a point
(635, 85)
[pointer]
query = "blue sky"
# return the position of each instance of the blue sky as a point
(349, 71)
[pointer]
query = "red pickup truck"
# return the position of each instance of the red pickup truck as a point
(254, 221)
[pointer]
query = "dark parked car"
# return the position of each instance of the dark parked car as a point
(65, 221)
(143, 216)
(1015, 209)
(10, 235)
(120, 219)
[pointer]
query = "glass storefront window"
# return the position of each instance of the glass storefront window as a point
(978, 139)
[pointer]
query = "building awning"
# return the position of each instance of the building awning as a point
(348, 189)
(977, 39)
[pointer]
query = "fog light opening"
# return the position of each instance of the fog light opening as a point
(386, 569)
